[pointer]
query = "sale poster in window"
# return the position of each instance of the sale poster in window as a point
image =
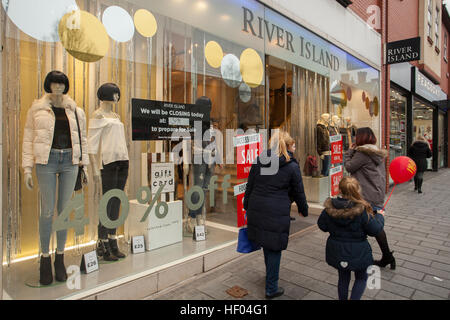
(336, 149)
(248, 149)
(336, 174)
(239, 192)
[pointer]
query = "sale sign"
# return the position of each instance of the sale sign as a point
(336, 149)
(239, 192)
(336, 174)
(248, 149)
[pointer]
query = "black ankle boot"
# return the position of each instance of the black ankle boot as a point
(115, 248)
(60, 268)
(45, 271)
(385, 260)
(104, 250)
(415, 183)
(419, 185)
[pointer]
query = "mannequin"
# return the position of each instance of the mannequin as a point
(202, 172)
(334, 125)
(323, 142)
(56, 160)
(348, 132)
(108, 150)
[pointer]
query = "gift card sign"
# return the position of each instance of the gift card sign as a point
(199, 234)
(89, 262)
(138, 244)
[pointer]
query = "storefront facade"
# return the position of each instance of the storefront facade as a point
(416, 109)
(260, 71)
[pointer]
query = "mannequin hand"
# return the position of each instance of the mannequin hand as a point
(28, 179)
(86, 177)
(322, 156)
(185, 169)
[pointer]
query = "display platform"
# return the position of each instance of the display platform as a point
(113, 274)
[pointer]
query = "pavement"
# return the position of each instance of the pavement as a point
(417, 228)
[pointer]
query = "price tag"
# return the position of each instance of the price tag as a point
(89, 262)
(138, 244)
(199, 234)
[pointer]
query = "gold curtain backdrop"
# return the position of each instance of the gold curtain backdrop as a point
(310, 98)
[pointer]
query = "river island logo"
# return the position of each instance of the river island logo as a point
(297, 44)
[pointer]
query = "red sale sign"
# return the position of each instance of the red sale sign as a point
(239, 192)
(336, 174)
(248, 149)
(336, 149)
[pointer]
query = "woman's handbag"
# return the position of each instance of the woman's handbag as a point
(81, 177)
(244, 245)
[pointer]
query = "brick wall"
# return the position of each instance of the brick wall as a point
(444, 67)
(360, 8)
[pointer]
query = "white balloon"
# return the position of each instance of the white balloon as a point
(245, 93)
(39, 19)
(118, 24)
(231, 70)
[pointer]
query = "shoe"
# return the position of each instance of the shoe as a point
(419, 185)
(104, 250)
(60, 268)
(190, 225)
(280, 292)
(385, 261)
(115, 248)
(45, 271)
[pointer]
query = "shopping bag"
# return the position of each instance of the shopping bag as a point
(244, 245)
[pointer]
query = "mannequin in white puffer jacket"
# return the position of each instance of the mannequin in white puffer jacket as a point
(51, 143)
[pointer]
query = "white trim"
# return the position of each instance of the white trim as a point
(121, 281)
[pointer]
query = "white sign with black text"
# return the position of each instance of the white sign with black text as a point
(163, 174)
(199, 234)
(138, 244)
(89, 262)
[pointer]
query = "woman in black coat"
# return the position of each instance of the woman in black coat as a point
(349, 219)
(419, 152)
(268, 205)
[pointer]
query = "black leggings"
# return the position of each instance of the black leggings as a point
(114, 176)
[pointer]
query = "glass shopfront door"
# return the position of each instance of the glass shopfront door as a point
(397, 138)
(423, 125)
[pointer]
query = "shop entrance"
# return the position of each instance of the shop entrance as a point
(423, 125)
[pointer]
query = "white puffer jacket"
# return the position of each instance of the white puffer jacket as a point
(39, 129)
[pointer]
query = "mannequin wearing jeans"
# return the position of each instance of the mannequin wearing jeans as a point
(108, 147)
(56, 162)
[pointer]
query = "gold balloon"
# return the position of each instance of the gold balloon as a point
(376, 107)
(252, 68)
(213, 54)
(83, 36)
(145, 23)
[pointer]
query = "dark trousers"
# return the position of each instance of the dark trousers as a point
(114, 176)
(326, 162)
(358, 287)
(382, 239)
(272, 261)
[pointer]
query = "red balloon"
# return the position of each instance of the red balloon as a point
(402, 169)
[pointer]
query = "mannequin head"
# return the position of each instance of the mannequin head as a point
(324, 118)
(109, 92)
(56, 82)
(335, 120)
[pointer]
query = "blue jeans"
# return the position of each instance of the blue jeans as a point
(326, 163)
(358, 287)
(202, 176)
(59, 168)
(272, 261)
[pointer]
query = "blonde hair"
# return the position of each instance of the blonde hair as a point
(351, 190)
(280, 141)
(421, 138)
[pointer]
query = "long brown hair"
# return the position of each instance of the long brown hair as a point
(351, 190)
(281, 141)
(365, 136)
